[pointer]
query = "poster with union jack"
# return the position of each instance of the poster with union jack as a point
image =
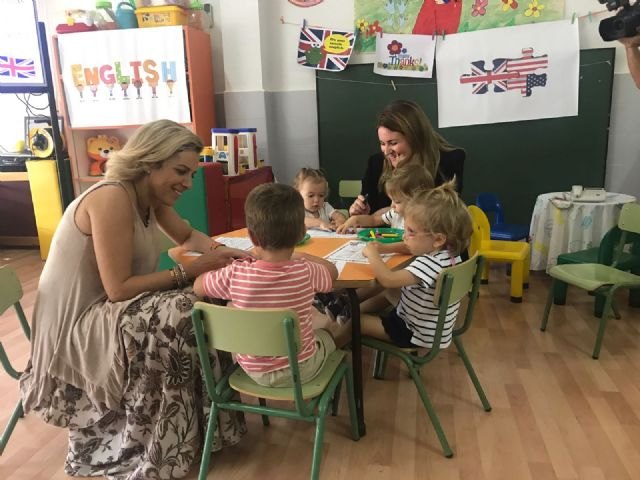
(325, 48)
(20, 60)
(508, 74)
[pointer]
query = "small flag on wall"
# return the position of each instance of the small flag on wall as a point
(404, 55)
(324, 48)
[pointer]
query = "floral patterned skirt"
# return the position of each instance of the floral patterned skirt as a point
(159, 430)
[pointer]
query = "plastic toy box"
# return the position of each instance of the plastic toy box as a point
(161, 16)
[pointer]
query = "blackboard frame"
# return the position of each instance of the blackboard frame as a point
(517, 160)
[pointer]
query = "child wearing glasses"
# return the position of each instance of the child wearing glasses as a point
(437, 229)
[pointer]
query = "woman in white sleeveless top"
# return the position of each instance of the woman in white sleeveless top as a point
(113, 351)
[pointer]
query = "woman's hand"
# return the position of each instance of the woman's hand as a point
(359, 207)
(213, 260)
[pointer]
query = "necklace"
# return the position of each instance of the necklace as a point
(145, 214)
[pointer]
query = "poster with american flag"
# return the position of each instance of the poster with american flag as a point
(20, 60)
(324, 48)
(508, 74)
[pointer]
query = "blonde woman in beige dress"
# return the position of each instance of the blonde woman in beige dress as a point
(113, 352)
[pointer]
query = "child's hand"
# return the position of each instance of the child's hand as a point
(350, 223)
(371, 250)
(326, 226)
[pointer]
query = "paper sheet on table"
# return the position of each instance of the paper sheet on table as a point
(320, 233)
(352, 252)
(241, 243)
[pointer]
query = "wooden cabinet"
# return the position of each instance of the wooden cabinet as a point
(199, 80)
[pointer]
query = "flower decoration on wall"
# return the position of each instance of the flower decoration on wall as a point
(362, 25)
(374, 28)
(535, 9)
(479, 8)
(394, 48)
(507, 4)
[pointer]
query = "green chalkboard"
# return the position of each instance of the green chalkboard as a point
(517, 161)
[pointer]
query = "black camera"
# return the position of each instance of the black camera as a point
(625, 23)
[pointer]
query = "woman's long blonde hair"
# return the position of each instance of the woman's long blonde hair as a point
(408, 118)
(149, 147)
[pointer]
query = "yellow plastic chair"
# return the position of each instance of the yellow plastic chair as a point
(452, 285)
(10, 295)
(515, 253)
(597, 278)
(267, 332)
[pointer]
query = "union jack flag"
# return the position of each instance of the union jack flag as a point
(312, 51)
(17, 67)
(508, 74)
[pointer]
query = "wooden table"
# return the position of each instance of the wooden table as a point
(352, 277)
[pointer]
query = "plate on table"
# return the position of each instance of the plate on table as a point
(304, 239)
(382, 235)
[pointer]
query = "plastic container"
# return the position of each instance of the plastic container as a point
(105, 19)
(161, 16)
(163, 3)
(126, 16)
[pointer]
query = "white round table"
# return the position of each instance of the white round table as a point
(579, 226)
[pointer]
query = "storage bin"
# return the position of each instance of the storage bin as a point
(163, 3)
(161, 16)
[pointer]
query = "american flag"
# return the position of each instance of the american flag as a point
(508, 74)
(311, 51)
(17, 67)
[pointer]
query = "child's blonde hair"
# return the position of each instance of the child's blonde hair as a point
(313, 174)
(408, 180)
(441, 210)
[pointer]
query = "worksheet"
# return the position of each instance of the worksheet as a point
(322, 233)
(352, 252)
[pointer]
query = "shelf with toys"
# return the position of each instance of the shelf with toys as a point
(101, 90)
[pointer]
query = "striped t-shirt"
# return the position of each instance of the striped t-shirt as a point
(251, 283)
(393, 219)
(417, 307)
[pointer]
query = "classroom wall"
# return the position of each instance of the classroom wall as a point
(258, 82)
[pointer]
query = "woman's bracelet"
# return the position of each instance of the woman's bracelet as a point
(179, 276)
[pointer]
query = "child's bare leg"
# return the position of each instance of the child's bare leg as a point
(341, 333)
(366, 293)
(375, 304)
(392, 295)
(371, 326)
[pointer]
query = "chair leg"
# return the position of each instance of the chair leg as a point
(265, 418)
(415, 375)
(560, 293)
(379, 365)
(17, 414)
(603, 324)
(484, 279)
(527, 270)
(472, 374)
(317, 444)
(517, 281)
(351, 400)
(547, 307)
(335, 401)
(208, 441)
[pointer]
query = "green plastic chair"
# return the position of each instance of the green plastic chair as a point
(348, 190)
(628, 261)
(266, 332)
(10, 295)
(452, 285)
(600, 279)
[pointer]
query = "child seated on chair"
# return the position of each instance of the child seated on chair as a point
(314, 188)
(437, 229)
(278, 278)
(403, 184)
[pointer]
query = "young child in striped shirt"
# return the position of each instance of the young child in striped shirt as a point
(278, 277)
(437, 229)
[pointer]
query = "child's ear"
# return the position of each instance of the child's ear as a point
(439, 240)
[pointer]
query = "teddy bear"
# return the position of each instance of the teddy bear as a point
(98, 150)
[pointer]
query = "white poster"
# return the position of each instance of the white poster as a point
(124, 77)
(20, 60)
(400, 55)
(508, 74)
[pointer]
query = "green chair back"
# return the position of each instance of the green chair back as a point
(629, 219)
(249, 331)
(10, 288)
(349, 188)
